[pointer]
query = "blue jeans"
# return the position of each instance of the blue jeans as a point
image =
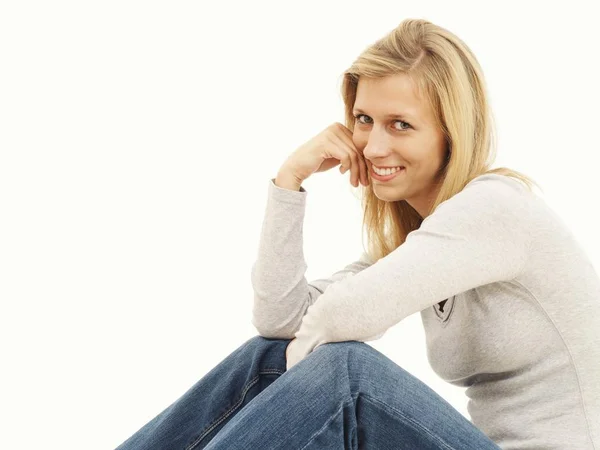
(343, 395)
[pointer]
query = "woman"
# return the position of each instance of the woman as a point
(509, 302)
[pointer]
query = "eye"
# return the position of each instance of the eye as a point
(357, 117)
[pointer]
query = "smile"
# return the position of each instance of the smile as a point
(386, 177)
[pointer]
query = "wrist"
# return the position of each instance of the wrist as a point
(288, 180)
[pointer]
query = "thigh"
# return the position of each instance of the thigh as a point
(396, 410)
(347, 395)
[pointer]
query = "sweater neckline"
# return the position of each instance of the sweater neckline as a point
(443, 309)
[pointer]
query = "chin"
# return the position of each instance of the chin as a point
(387, 196)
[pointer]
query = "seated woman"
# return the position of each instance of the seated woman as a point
(509, 301)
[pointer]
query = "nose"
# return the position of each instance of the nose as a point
(377, 147)
(376, 152)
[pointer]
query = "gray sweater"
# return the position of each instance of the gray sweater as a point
(509, 301)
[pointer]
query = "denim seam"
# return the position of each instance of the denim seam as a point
(227, 413)
(326, 424)
(406, 418)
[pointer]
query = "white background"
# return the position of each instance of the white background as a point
(137, 141)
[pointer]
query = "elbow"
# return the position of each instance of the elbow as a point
(277, 315)
(273, 331)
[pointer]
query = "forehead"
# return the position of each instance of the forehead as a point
(394, 94)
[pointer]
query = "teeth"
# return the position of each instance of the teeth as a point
(386, 171)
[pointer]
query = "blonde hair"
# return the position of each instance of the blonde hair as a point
(447, 75)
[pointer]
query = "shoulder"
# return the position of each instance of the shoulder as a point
(488, 222)
(491, 191)
(502, 184)
(486, 200)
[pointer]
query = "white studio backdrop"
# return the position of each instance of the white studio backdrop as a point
(137, 141)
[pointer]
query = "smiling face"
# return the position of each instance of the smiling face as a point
(393, 127)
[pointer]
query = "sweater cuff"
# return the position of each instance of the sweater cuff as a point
(287, 195)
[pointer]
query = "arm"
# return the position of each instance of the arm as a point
(281, 291)
(479, 236)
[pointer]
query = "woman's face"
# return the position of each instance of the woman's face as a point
(410, 139)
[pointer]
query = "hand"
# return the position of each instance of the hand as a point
(328, 149)
(286, 349)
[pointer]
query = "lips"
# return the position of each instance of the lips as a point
(387, 167)
(391, 176)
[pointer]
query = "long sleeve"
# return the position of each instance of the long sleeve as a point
(479, 236)
(281, 291)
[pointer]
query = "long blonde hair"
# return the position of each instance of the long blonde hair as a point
(447, 76)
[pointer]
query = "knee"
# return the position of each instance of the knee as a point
(333, 349)
(332, 355)
(328, 367)
(258, 342)
(348, 356)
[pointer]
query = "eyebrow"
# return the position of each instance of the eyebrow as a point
(388, 116)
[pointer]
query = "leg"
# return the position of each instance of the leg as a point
(347, 395)
(199, 414)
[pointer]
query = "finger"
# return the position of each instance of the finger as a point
(354, 157)
(338, 151)
(342, 140)
(346, 135)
